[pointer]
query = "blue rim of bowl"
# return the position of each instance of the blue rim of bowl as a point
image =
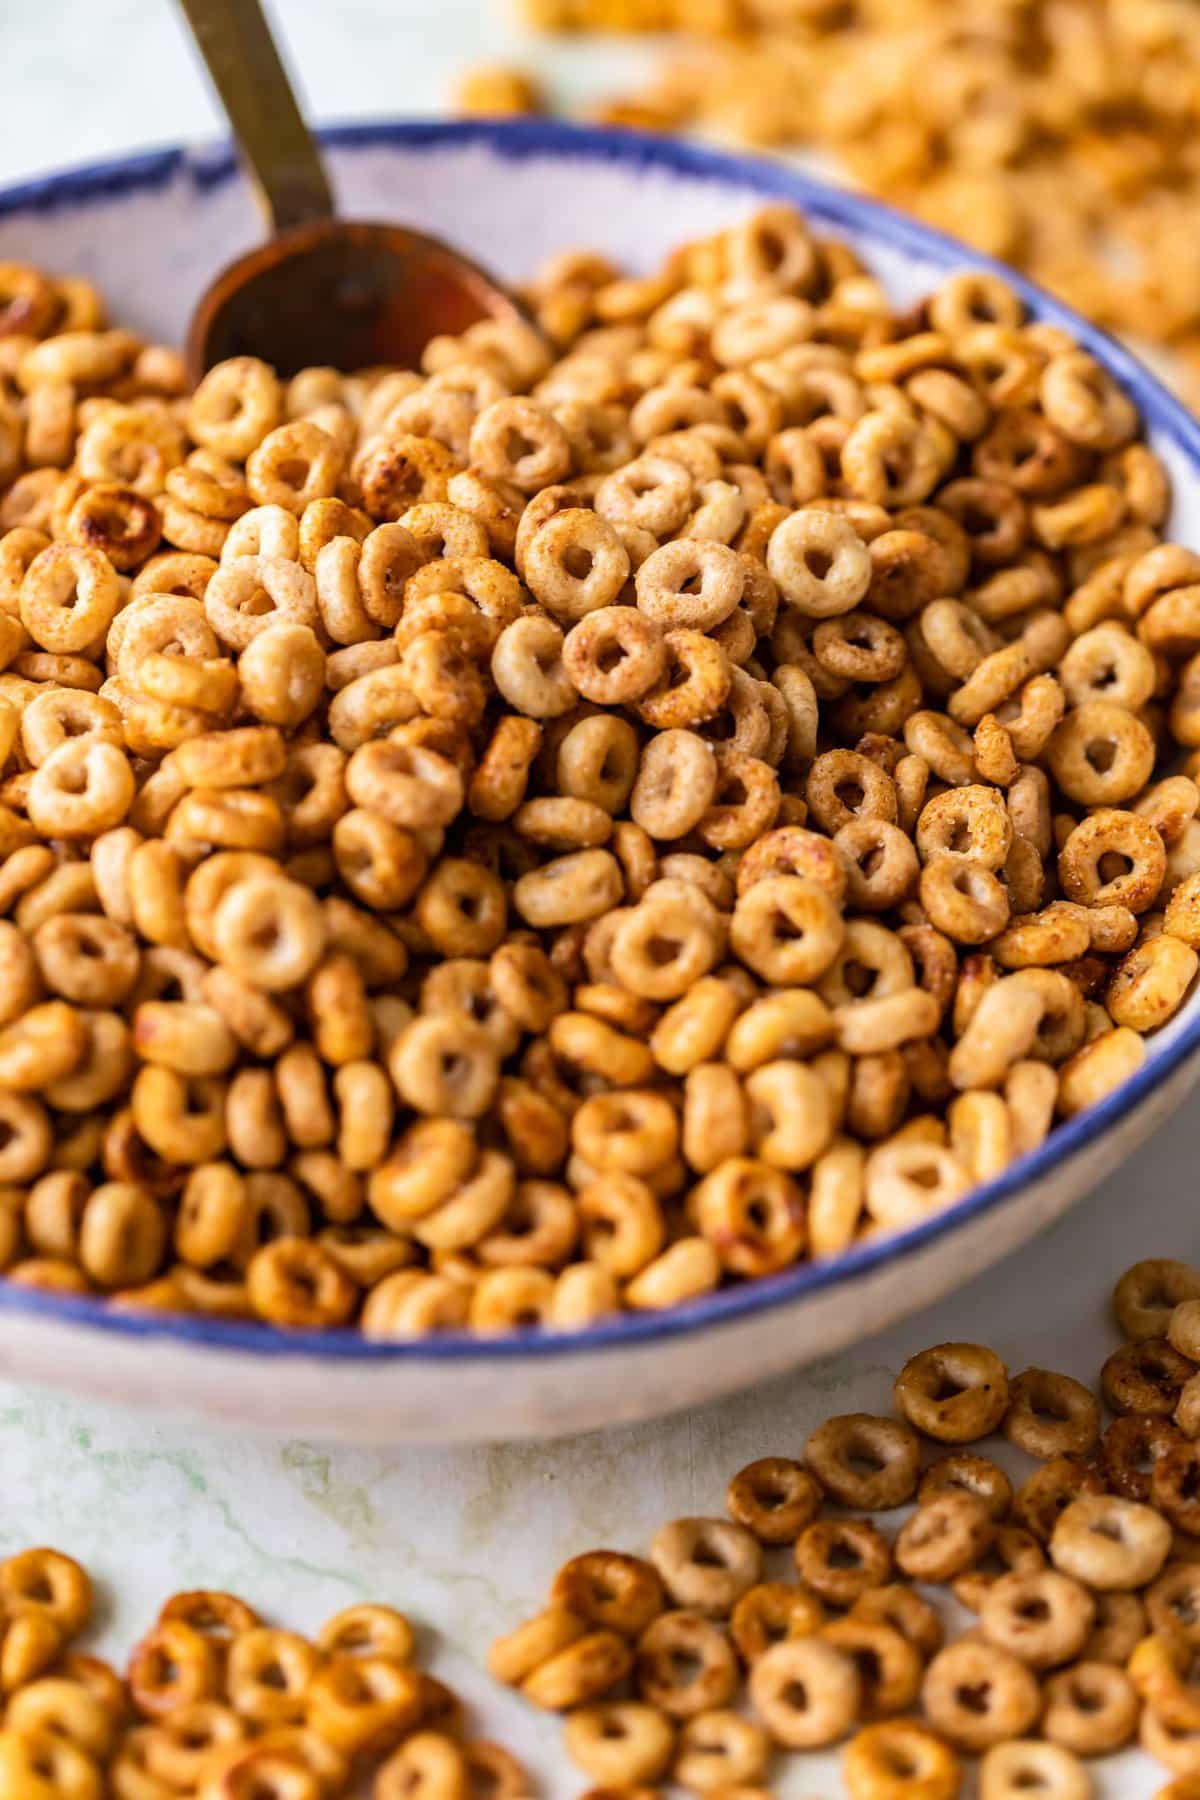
(520, 140)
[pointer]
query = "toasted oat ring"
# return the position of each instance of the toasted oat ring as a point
(1129, 1450)
(900, 1606)
(806, 1691)
(945, 1537)
(620, 1741)
(69, 597)
(812, 539)
(1108, 1543)
(769, 1612)
(787, 930)
(897, 1759)
(1051, 1415)
(173, 1666)
(889, 1665)
(1173, 1602)
(48, 1584)
(653, 493)
(1091, 1708)
(954, 1393)
(865, 1461)
(270, 931)
(774, 1498)
(685, 1664)
(1014, 1768)
(841, 1558)
(1173, 1479)
(1041, 1500)
(212, 1613)
(576, 564)
(691, 584)
(1123, 841)
(614, 656)
(1145, 1378)
(1012, 1548)
(1147, 1294)
(1043, 1617)
(706, 1564)
(694, 684)
(1159, 1669)
(611, 1590)
(250, 593)
(963, 1472)
(978, 1695)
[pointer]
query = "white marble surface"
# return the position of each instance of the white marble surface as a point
(465, 1541)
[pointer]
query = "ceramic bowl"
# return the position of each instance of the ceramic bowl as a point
(152, 230)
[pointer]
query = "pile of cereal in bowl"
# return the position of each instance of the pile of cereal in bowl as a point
(665, 792)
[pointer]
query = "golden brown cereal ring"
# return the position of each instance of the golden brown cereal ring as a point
(978, 1695)
(978, 1397)
(774, 1498)
(898, 1760)
(865, 1461)
(1051, 1415)
(841, 1558)
(807, 1693)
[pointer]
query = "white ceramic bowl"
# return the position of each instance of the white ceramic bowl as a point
(152, 230)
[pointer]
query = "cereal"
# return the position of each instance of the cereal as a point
(806, 1692)
(1148, 1293)
(775, 1499)
(1051, 1415)
(977, 1400)
(1014, 1768)
(840, 1559)
(685, 1665)
(1041, 1499)
(772, 1611)
(1091, 1708)
(659, 794)
(961, 1472)
(889, 1756)
(864, 1461)
(707, 1564)
(1090, 1651)
(215, 1703)
(1110, 1543)
(719, 1750)
(1030, 182)
(620, 1742)
(1044, 1618)
(944, 1537)
(978, 1695)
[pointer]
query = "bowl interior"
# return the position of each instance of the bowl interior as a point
(153, 230)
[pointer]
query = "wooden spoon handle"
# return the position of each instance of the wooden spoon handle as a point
(235, 41)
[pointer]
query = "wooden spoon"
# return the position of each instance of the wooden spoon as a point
(321, 290)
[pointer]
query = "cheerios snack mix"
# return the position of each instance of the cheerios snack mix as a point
(1036, 1611)
(1055, 134)
(216, 1704)
(663, 792)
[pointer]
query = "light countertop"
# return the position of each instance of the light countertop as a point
(466, 1541)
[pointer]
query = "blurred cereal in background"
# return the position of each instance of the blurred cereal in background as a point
(495, 91)
(1060, 135)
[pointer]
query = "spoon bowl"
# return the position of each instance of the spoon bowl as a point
(342, 294)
